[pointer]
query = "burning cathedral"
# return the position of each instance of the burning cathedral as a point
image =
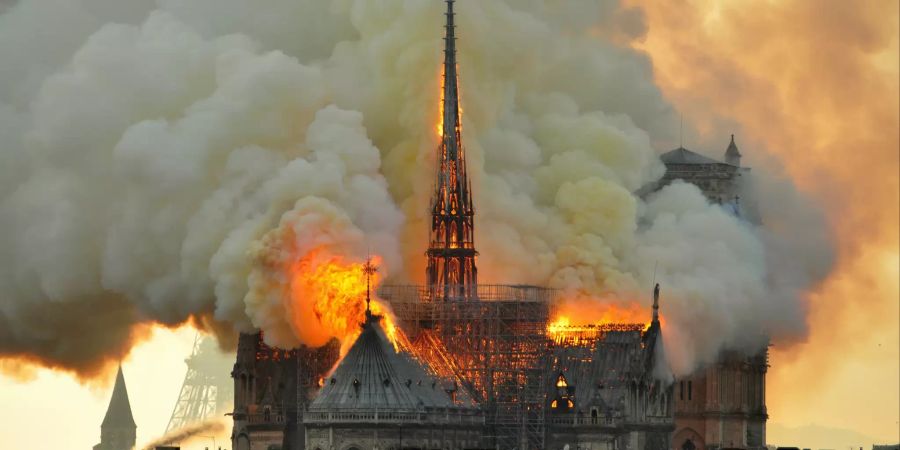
(476, 365)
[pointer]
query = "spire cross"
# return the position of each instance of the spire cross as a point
(369, 269)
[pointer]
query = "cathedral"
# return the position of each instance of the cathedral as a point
(482, 366)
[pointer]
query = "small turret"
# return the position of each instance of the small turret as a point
(732, 155)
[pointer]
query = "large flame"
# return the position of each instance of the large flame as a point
(328, 294)
(583, 314)
(439, 126)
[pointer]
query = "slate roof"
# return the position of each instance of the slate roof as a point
(118, 415)
(682, 155)
(374, 376)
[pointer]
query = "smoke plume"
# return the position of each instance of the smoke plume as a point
(188, 432)
(162, 162)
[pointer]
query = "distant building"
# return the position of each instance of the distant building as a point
(886, 447)
(118, 430)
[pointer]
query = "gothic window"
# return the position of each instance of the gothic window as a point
(690, 390)
(681, 390)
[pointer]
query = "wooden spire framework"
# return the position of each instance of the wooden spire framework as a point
(451, 273)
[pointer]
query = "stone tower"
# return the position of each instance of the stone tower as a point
(451, 272)
(118, 430)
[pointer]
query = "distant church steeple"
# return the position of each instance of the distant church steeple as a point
(451, 272)
(732, 155)
(118, 430)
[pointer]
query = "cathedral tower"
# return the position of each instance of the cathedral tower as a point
(451, 272)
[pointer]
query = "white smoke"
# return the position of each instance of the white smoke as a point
(156, 157)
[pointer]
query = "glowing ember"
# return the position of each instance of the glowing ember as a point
(328, 297)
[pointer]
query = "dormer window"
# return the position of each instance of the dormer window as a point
(561, 381)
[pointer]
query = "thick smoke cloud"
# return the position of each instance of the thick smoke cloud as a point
(160, 159)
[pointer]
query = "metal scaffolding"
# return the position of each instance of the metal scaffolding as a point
(495, 343)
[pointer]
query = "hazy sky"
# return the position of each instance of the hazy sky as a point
(808, 87)
(815, 83)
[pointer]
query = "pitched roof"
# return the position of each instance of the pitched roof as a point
(682, 155)
(118, 415)
(374, 376)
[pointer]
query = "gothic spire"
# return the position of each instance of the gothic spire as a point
(451, 82)
(118, 415)
(451, 272)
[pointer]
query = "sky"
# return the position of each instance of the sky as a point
(809, 89)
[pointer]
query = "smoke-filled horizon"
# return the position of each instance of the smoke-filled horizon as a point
(165, 162)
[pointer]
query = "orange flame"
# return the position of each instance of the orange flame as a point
(588, 313)
(439, 128)
(328, 296)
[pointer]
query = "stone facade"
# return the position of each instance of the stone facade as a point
(723, 405)
(395, 436)
(270, 387)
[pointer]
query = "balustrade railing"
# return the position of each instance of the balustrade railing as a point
(388, 417)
